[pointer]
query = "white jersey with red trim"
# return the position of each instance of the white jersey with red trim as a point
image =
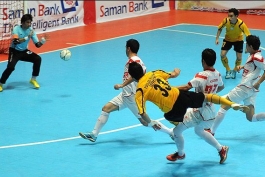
(206, 82)
(252, 69)
(131, 88)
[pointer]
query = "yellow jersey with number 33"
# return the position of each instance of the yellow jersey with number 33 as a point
(153, 86)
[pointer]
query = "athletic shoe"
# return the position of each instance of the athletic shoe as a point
(175, 156)
(1, 88)
(223, 154)
(34, 83)
(233, 74)
(240, 107)
(209, 130)
(89, 136)
(228, 74)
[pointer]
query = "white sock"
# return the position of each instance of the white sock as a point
(208, 138)
(218, 119)
(178, 137)
(103, 118)
(258, 117)
(165, 129)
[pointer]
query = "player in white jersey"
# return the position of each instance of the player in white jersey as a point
(126, 99)
(248, 88)
(207, 81)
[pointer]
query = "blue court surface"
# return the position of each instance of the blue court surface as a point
(39, 128)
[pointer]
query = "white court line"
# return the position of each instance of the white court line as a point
(71, 138)
(202, 34)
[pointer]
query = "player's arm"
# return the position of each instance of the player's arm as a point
(17, 40)
(185, 87)
(151, 123)
(219, 31)
(36, 41)
(175, 73)
(220, 88)
(261, 79)
(127, 82)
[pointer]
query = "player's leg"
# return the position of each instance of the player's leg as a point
(238, 47)
(226, 46)
(179, 140)
(222, 150)
(113, 105)
(13, 58)
(130, 103)
(36, 60)
(216, 99)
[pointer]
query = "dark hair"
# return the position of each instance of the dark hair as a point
(26, 17)
(253, 41)
(234, 10)
(209, 56)
(135, 70)
(133, 44)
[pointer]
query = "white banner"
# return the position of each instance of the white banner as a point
(55, 15)
(114, 10)
(248, 7)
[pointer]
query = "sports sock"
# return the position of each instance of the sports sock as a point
(258, 117)
(103, 118)
(218, 119)
(225, 63)
(237, 63)
(165, 129)
(208, 138)
(216, 99)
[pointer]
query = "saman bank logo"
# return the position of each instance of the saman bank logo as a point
(68, 5)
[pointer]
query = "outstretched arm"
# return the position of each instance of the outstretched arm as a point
(175, 73)
(151, 123)
(127, 82)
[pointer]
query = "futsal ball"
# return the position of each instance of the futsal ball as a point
(65, 54)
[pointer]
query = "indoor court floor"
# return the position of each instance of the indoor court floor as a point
(39, 128)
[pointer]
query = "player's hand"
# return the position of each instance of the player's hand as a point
(156, 126)
(238, 68)
(31, 33)
(117, 86)
(217, 41)
(46, 37)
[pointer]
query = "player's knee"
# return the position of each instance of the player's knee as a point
(38, 59)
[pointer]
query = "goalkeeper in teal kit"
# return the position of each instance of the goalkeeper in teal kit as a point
(18, 50)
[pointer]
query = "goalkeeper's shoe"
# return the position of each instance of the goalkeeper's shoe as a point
(1, 88)
(34, 83)
(240, 107)
(223, 154)
(175, 156)
(89, 136)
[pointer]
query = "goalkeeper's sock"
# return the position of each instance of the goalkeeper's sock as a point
(216, 99)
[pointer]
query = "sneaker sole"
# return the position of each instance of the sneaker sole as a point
(83, 136)
(227, 148)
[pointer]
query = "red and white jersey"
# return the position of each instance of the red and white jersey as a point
(252, 69)
(206, 82)
(131, 88)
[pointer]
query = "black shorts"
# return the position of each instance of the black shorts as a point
(238, 45)
(186, 99)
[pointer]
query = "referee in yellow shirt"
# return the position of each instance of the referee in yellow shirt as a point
(235, 28)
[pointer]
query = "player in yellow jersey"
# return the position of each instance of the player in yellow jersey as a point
(153, 86)
(235, 28)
